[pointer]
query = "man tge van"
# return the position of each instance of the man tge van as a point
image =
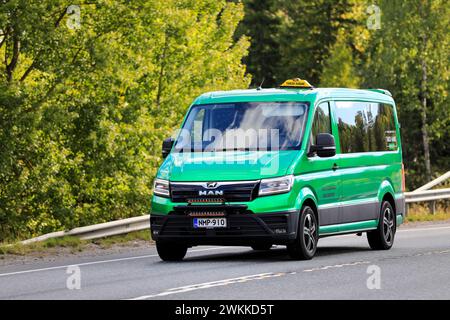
(282, 166)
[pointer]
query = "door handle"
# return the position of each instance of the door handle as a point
(335, 167)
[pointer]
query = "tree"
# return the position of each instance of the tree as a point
(339, 68)
(342, 67)
(410, 57)
(261, 23)
(292, 38)
(308, 31)
(86, 100)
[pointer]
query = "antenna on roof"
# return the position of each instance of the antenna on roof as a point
(260, 86)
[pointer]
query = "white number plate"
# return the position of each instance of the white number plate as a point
(210, 223)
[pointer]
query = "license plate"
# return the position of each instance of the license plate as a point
(210, 223)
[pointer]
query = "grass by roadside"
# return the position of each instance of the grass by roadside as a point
(72, 244)
(421, 213)
(104, 243)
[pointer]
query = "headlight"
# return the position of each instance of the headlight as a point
(275, 186)
(161, 188)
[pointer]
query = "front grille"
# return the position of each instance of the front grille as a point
(237, 225)
(224, 192)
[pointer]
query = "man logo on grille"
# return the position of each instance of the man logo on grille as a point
(211, 193)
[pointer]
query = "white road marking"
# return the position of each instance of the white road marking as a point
(423, 229)
(206, 285)
(106, 261)
(243, 279)
(357, 263)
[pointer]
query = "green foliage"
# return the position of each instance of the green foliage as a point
(293, 38)
(308, 31)
(262, 23)
(412, 44)
(339, 70)
(83, 110)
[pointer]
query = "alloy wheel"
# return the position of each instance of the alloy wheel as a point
(388, 225)
(310, 232)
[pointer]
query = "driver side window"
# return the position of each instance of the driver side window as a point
(322, 121)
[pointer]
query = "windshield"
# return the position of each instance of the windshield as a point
(246, 126)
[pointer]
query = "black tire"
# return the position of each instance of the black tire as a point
(262, 246)
(383, 237)
(305, 245)
(170, 252)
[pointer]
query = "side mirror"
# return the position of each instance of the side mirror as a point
(325, 146)
(167, 146)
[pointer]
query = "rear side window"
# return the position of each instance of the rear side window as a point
(366, 127)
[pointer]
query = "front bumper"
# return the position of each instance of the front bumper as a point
(243, 228)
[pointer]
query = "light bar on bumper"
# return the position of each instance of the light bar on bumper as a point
(276, 185)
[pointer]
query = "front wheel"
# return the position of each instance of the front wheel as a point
(170, 252)
(383, 237)
(305, 245)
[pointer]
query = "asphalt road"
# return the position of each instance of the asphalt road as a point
(417, 267)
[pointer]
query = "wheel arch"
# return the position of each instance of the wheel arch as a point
(386, 193)
(307, 197)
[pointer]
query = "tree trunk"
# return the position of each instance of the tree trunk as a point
(424, 93)
(161, 72)
(15, 57)
(426, 146)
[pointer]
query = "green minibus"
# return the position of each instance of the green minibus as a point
(283, 166)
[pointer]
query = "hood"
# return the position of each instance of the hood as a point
(227, 166)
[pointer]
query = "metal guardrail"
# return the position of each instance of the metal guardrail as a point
(427, 195)
(434, 183)
(100, 230)
(423, 194)
(143, 222)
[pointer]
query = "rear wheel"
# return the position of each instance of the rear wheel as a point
(383, 237)
(170, 252)
(305, 245)
(262, 247)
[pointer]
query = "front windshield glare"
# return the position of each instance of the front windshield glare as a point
(246, 126)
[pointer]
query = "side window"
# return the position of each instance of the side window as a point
(353, 122)
(385, 131)
(322, 121)
(366, 127)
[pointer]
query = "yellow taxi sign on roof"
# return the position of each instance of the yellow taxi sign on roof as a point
(296, 83)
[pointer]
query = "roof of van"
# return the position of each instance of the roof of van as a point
(283, 94)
